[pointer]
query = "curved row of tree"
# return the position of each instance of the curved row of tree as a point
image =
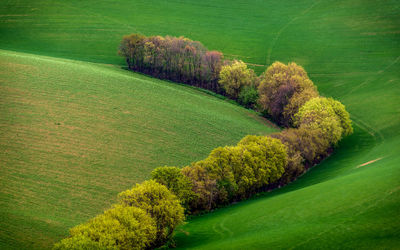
(144, 218)
(146, 215)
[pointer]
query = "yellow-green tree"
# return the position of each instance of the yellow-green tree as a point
(118, 228)
(234, 77)
(327, 115)
(297, 100)
(267, 156)
(176, 182)
(160, 203)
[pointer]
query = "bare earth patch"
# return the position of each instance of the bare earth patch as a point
(369, 162)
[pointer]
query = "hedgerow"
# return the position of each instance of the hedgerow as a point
(147, 214)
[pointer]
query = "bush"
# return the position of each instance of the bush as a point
(277, 86)
(118, 228)
(235, 76)
(160, 203)
(176, 182)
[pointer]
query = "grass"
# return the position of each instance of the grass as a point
(74, 134)
(351, 50)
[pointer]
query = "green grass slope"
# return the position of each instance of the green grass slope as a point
(73, 135)
(351, 50)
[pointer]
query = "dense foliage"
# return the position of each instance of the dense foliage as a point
(280, 91)
(233, 173)
(176, 182)
(230, 173)
(234, 77)
(145, 217)
(327, 115)
(175, 58)
(160, 203)
(118, 228)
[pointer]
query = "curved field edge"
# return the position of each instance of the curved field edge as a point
(74, 134)
(352, 199)
(349, 201)
(351, 50)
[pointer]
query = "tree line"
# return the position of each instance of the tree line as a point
(146, 215)
(177, 59)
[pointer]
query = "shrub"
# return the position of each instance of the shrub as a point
(235, 76)
(176, 182)
(118, 228)
(160, 203)
(278, 84)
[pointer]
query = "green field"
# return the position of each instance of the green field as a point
(73, 134)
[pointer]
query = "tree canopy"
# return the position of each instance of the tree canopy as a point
(159, 202)
(277, 86)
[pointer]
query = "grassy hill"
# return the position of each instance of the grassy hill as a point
(351, 50)
(74, 134)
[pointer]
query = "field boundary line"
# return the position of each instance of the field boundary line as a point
(280, 31)
(377, 135)
(101, 16)
(372, 77)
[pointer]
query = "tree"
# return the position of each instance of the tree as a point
(176, 182)
(234, 77)
(204, 187)
(297, 100)
(211, 66)
(278, 84)
(309, 144)
(79, 243)
(131, 48)
(321, 113)
(160, 203)
(248, 96)
(219, 166)
(343, 116)
(267, 156)
(118, 228)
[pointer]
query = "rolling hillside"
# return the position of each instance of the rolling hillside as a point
(74, 134)
(351, 50)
